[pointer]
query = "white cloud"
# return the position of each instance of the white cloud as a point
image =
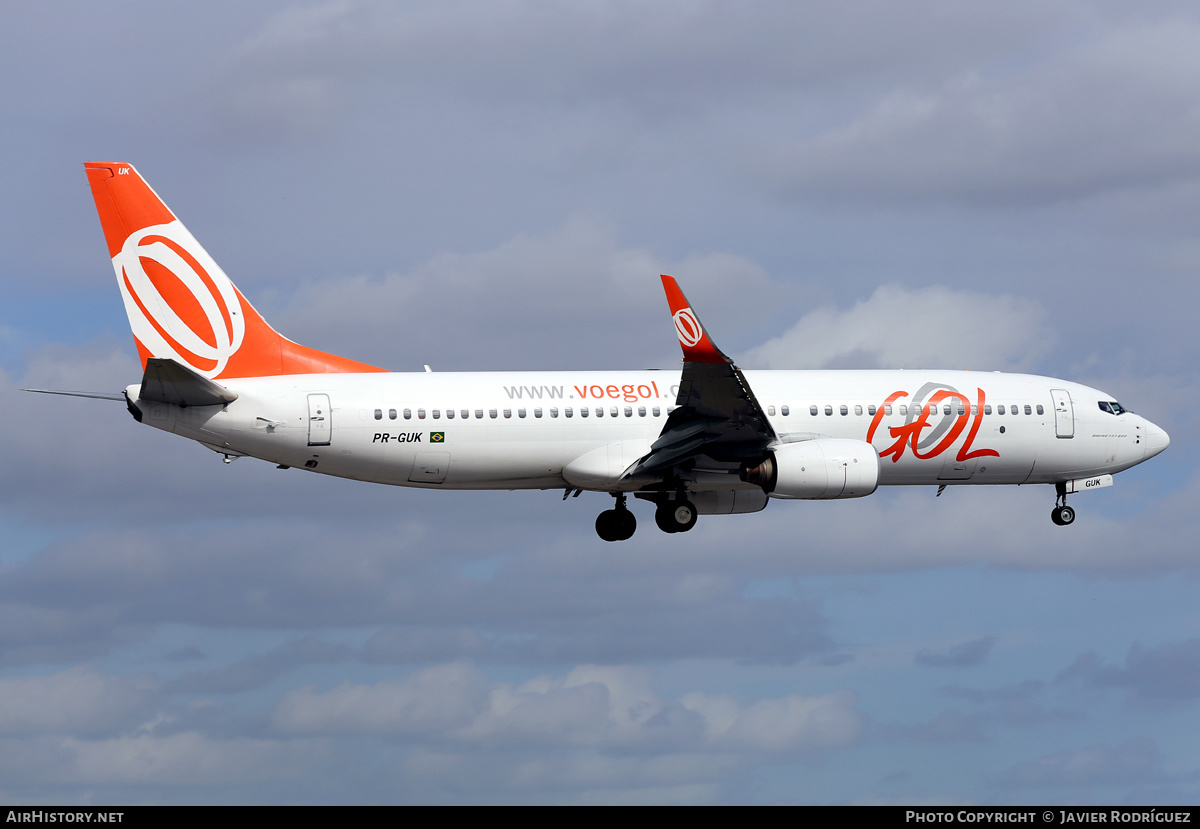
(187, 758)
(76, 701)
(791, 723)
(589, 706)
(1117, 110)
(573, 298)
(898, 327)
(665, 57)
(1133, 762)
(436, 700)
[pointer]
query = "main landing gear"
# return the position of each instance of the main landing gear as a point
(676, 516)
(616, 524)
(1061, 515)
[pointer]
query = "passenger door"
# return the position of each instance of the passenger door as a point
(1064, 413)
(320, 420)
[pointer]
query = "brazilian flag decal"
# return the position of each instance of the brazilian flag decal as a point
(437, 437)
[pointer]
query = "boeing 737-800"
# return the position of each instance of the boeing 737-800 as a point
(707, 438)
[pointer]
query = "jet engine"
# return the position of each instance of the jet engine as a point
(816, 469)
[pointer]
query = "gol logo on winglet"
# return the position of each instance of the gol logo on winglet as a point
(179, 301)
(688, 327)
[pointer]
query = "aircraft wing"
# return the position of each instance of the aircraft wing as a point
(716, 411)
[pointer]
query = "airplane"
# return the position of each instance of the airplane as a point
(707, 438)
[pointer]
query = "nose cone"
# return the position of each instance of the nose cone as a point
(1156, 440)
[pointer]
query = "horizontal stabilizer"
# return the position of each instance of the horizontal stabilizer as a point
(166, 381)
(95, 395)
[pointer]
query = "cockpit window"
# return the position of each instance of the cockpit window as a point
(1112, 407)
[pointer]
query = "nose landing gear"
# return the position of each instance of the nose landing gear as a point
(616, 524)
(1061, 515)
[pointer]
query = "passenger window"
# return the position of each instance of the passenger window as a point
(858, 410)
(568, 411)
(844, 410)
(508, 413)
(812, 410)
(655, 411)
(784, 411)
(829, 411)
(379, 414)
(1000, 409)
(465, 413)
(1028, 410)
(987, 409)
(537, 412)
(408, 414)
(554, 412)
(903, 410)
(871, 409)
(771, 411)
(583, 411)
(420, 414)
(449, 414)
(479, 414)
(437, 413)
(629, 411)
(945, 409)
(887, 410)
(641, 411)
(961, 410)
(492, 414)
(520, 412)
(613, 411)
(1040, 410)
(391, 414)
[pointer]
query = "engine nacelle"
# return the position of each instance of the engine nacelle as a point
(817, 469)
(728, 501)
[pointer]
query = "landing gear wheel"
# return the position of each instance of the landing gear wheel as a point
(606, 525)
(685, 515)
(626, 525)
(665, 520)
(675, 516)
(616, 524)
(1062, 515)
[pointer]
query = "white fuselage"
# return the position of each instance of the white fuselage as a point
(524, 430)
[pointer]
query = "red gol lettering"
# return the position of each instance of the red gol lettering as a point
(626, 392)
(910, 433)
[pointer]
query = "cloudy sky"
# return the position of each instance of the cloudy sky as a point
(497, 185)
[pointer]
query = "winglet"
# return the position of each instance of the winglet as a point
(697, 346)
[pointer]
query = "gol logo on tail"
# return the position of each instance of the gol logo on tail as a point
(179, 301)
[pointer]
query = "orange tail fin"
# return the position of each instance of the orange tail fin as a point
(180, 304)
